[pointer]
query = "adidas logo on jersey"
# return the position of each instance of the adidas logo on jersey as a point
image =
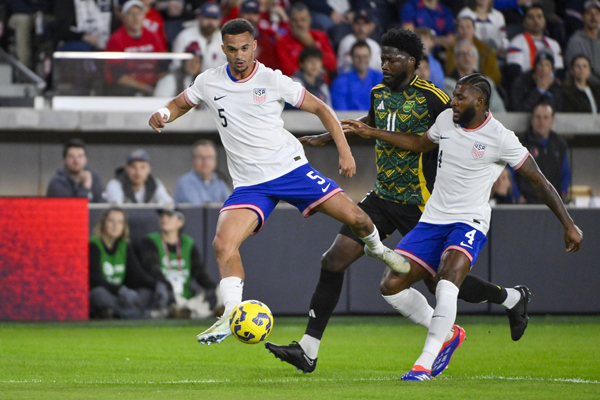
(381, 106)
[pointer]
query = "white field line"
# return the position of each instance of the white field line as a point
(307, 379)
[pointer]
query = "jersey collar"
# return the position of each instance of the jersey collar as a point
(246, 79)
(484, 123)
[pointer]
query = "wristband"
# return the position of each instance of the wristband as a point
(164, 112)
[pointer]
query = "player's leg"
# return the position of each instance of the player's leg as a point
(233, 228)
(303, 355)
(345, 210)
(454, 267)
(514, 300)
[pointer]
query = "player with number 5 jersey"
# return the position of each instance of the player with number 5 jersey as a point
(473, 150)
(266, 162)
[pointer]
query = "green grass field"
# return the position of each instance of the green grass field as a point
(360, 358)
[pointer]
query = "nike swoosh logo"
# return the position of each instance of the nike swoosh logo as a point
(444, 137)
(466, 245)
(308, 360)
(325, 188)
(219, 98)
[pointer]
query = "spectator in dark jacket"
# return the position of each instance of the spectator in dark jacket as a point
(74, 180)
(549, 152)
(537, 86)
(579, 94)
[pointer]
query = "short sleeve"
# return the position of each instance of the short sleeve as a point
(194, 94)
(290, 91)
(433, 134)
(512, 151)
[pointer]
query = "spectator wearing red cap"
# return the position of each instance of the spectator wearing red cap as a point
(131, 77)
(206, 33)
(301, 36)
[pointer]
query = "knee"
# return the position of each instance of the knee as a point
(332, 263)
(359, 219)
(221, 247)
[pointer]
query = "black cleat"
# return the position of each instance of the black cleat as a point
(293, 354)
(517, 316)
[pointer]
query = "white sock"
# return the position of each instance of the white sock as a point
(373, 242)
(231, 290)
(444, 315)
(310, 345)
(512, 299)
(413, 305)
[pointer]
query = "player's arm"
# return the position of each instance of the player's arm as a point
(315, 106)
(169, 113)
(403, 140)
(546, 192)
(321, 139)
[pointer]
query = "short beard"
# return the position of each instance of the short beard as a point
(466, 116)
(397, 81)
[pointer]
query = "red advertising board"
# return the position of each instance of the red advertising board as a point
(44, 272)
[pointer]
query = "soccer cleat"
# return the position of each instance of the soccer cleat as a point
(216, 333)
(393, 260)
(443, 358)
(417, 373)
(293, 354)
(517, 316)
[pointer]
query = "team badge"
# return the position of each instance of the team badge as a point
(478, 150)
(260, 95)
(408, 105)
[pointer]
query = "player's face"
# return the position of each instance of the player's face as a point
(239, 50)
(75, 160)
(138, 172)
(463, 104)
(396, 66)
(114, 225)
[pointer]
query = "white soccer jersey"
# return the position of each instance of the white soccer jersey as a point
(469, 162)
(248, 116)
(212, 54)
(519, 51)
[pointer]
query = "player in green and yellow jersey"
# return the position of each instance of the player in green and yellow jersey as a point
(402, 103)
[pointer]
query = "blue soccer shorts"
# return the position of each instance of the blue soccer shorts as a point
(303, 187)
(427, 243)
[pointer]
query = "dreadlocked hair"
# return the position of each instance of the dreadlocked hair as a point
(406, 41)
(480, 83)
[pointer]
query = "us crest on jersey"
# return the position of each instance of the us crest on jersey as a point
(260, 95)
(478, 150)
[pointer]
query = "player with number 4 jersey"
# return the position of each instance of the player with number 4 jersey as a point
(266, 162)
(473, 150)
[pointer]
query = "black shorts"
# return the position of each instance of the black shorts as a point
(387, 217)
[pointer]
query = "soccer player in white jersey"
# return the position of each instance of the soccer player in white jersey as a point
(473, 150)
(266, 162)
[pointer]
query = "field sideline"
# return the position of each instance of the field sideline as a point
(360, 358)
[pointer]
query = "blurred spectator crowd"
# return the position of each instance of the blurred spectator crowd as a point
(532, 52)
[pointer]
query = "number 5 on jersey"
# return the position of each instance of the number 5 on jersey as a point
(222, 115)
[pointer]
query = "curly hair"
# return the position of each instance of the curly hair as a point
(406, 41)
(237, 27)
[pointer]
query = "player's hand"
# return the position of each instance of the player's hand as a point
(347, 165)
(158, 120)
(357, 127)
(314, 140)
(573, 238)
